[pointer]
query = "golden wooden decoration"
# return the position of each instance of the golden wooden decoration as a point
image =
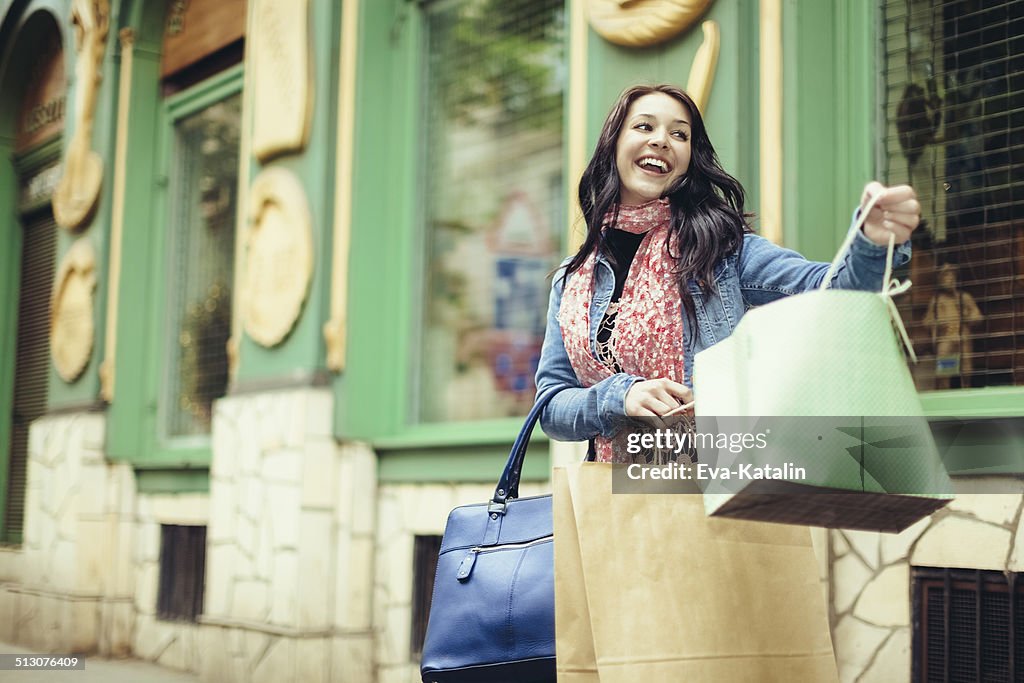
(279, 256)
(107, 367)
(72, 329)
(770, 98)
(283, 78)
(641, 23)
(702, 71)
(74, 200)
(335, 329)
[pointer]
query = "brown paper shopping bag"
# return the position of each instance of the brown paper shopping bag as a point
(672, 595)
(574, 641)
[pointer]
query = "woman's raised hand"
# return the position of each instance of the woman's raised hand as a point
(656, 397)
(897, 212)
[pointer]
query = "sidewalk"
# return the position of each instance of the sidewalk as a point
(97, 670)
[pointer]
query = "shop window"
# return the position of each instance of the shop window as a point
(953, 85)
(202, 45)
(968, 625)
(492, 202)
(425, 550)
(34, 91)
(32, 360)
(182, 572)
(201, 238)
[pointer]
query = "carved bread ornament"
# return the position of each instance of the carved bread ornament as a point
(74, 199)
(279, 256)
(702, 71)
(71, 313)
(283, 78)
(640, 23)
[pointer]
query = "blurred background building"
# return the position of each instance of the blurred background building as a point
(273, 286)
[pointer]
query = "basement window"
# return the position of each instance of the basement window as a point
(968, 625)
(182, 572)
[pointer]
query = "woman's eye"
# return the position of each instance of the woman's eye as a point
(681, 134)
(643, 126)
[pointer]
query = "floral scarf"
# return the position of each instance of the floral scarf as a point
(647, 339)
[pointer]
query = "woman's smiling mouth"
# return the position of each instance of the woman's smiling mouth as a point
(655, 165)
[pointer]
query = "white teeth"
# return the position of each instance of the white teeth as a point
(650, 161)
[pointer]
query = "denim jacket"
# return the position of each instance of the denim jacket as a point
(760, 274)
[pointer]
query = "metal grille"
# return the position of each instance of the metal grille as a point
(1017, 630)
(205, 176)
(182, 572)
(963, 626)
(953, 96)
(425, 550)
(38, 263)
(492, 184)
(966, 627)
(995, 637)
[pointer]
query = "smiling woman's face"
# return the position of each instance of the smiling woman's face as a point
(653, 148)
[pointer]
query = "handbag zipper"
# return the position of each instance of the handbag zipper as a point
(466, 566)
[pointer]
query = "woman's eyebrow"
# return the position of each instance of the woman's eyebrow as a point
(651, 116)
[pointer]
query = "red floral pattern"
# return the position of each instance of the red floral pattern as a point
(648, 336)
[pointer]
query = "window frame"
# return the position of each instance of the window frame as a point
(159, 451)
(376, 388)
(840, 135)
(967, 402)
(22, 165)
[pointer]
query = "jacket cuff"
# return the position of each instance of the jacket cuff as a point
(613, 403)
(863, 246)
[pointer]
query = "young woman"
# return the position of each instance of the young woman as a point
(668, 267)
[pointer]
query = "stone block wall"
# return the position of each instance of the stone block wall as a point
(169, 643)
(871, 574)
(69, 587)
(289, 544)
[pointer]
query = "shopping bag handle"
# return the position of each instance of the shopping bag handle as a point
(850, 236)
(890, 285)
(508, 485)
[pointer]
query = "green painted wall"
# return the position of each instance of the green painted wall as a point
(133, 411)
(371, 392)
(828, 141)
(828, 125)
(303, 352)
(297, 360)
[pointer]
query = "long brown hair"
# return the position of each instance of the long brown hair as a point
(707, 203)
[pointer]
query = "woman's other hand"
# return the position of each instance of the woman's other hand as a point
(897, 212)
(655, 397)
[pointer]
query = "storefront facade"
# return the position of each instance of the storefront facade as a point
(274, 289)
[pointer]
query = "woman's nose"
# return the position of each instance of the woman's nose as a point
(658, 139)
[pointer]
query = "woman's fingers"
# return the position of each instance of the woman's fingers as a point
(896, 194)
(656, 397)
(870, 190)
(896, 212)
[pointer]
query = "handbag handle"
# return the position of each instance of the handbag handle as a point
(508, 485)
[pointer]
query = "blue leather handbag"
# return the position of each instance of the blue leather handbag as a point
(492, 614)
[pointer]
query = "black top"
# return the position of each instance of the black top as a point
(623, 246)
